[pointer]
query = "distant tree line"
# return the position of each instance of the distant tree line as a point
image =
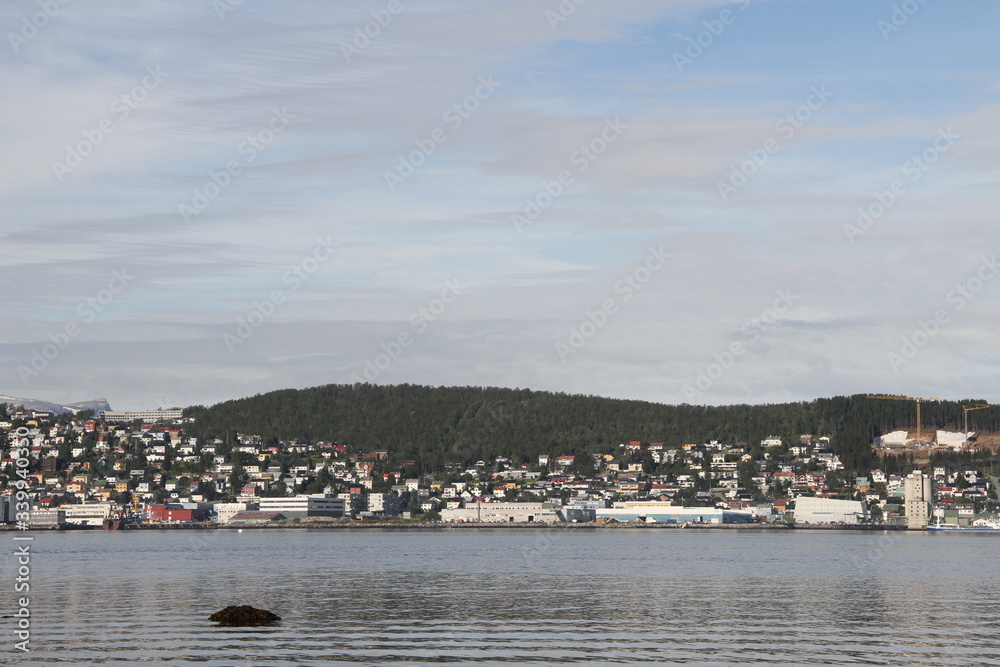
(437, 426)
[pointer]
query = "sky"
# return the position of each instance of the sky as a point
(693, 201)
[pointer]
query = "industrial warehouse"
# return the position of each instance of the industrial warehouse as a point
(661, 512)
(829, 510)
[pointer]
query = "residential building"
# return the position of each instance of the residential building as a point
(144, 415)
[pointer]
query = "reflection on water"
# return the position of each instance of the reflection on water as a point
(495, 596)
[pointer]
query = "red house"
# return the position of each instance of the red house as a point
(174, 514)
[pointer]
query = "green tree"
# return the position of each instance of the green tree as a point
(276, 490)
(237, 480)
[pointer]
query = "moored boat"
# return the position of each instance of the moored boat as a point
(979, 527)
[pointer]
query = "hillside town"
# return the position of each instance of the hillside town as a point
(118, 469)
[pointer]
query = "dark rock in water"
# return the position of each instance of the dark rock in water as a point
(243, 615)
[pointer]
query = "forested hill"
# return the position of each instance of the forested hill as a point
(435, 425)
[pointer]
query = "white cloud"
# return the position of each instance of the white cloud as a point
(323, 175)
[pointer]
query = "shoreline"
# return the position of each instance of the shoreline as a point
(575, 526)
(425, 526)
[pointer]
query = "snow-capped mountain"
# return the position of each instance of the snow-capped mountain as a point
(56, 408)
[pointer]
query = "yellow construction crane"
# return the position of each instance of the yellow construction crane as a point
(966, 409)
(908, 398)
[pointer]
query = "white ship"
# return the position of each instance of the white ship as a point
(979, 527)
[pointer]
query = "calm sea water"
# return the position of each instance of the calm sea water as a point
(501, 596)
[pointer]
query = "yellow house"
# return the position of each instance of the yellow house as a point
(263, 481)
(628, 487)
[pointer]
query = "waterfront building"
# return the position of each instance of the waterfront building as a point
(502, 513)
(256, 517)
(829, 510)
(917, 495)
(48, 518)
(582, 510)
(663, 512)
(301, 507)
(386, 504)
(224, 512)
(8, 509)
(89, 514)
